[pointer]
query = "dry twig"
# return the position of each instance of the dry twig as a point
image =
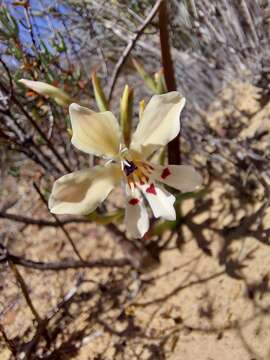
(120, 63)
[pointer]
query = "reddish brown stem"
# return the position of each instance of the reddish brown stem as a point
(174, 155)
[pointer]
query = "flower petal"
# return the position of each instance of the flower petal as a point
(136, 216)
(160, 201)
(181, 177)
(81, 192)
(45, 89)
(160, 123)
(94, 133)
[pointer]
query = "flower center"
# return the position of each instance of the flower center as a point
(136, 172)
(129, 167)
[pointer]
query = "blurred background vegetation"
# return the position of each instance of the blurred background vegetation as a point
(63, 43)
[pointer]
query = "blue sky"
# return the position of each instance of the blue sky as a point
(45, 26)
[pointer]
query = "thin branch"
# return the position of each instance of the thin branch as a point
(28, 348)
(69, 238)
(10, 344)
(37, 128)
(29, 26)
(65, 264)
(40, 222)
(120, 63)
(24, 289)
(9, 78)
(27, 144)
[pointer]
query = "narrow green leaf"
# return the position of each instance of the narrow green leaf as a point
(100, 97)
(161, 87)
(126, 107)
(148, 79)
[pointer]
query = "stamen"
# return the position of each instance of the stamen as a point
(108, 162)
(141, 180)
(129, 167)
(126, 163)
(137, 173)
(147, 166)
(132, 186)
(123, 150)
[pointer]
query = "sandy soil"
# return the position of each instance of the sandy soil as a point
(205, 299)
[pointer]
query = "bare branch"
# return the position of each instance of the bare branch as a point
(65, 264)
(120, 63)
(37, 128)
(40, 222)
(69, 238)
(25, 291)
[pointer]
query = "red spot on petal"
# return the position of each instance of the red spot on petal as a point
(134, 201)
(151, 189)
(165, 173)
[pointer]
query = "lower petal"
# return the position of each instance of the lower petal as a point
(160, 201)
(81, 192)
(136, 216)
(181, 177)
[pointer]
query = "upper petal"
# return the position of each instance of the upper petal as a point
(136, 216)
(81, 192)
(160, 123)
(94, 133)
(45, 89)
(181, 177)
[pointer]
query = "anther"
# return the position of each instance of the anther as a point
(129, 167)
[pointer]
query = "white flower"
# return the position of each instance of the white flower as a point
(83, 191)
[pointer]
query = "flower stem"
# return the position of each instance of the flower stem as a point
(174, 155)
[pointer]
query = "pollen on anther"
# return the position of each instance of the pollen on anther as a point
(165, 173)
(151, 189)
(134, 201)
